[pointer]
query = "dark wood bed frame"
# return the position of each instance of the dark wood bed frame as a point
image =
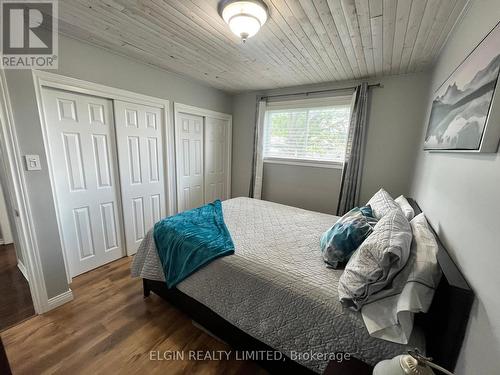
(444, 325)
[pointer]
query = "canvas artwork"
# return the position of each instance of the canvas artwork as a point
(460, 108)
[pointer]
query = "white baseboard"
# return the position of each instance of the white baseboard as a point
(59, 300)
(22, 268)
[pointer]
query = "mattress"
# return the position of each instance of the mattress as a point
(276, 286)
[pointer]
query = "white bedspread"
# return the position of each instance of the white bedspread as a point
(276, 286)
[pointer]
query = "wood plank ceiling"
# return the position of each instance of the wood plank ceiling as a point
(303, 42)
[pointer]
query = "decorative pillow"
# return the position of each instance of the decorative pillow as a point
(405, 207)
(366, 211)
(368, 214)
(340, 241)
(379, 258)
(381, 203)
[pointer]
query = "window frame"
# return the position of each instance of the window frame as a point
(305, 104)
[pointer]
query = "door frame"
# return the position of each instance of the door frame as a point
(45, 79)
(4, 220)
(202, 112)
(13, 168)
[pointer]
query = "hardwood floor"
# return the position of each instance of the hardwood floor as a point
(4, 363)
(15, 298)
(110, 328)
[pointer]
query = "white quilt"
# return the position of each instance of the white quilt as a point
(276, 286)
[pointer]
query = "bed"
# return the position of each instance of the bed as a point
(275, 291)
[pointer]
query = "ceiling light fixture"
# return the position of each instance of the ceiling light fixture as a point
(245, 18)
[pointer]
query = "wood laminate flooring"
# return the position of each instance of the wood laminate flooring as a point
(109, 328)
(15, 298)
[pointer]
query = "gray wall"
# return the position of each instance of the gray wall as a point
(306, 187)
(395, 118)
(80, 60)
(459, 193)
(244, 108)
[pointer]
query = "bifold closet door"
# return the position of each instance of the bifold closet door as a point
(216, 159)
(189, 159)
(140, 155)
(83, 155)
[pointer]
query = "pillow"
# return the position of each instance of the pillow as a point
(340, 241)
(381, 203)
(426, 269)
(368, 214)
(366, 211)
(390, 315)
(405, 207)
(379, 258)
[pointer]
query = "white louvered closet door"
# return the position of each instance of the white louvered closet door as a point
(216, 159)
(140, 155)
(83, 155)
(189, 159)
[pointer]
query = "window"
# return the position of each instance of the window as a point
(308, 131)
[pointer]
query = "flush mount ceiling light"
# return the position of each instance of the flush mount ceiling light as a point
(245, 18)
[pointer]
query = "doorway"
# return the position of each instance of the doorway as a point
(16, 302)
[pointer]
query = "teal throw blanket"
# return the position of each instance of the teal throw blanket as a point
(191, 239)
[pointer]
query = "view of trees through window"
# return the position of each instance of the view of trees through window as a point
(307, 134)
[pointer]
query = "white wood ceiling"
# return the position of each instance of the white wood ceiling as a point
(303, 42)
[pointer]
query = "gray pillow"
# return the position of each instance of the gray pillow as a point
(375, 263)
(381, 203)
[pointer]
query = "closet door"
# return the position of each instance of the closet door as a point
(189, 159)
(216, 159)
(83, 161)
(139, 139)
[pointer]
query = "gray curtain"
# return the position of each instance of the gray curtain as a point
(355, 151)
(258, 161)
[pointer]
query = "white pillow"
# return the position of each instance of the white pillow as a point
(405, 207)
(426, 269)
(390, 315)
(381, 203)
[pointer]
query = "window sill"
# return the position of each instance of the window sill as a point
(305, 163)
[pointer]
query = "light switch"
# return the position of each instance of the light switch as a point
(32, 162)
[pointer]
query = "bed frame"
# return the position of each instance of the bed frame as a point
(444, 325)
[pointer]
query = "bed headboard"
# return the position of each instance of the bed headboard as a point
(446, 321)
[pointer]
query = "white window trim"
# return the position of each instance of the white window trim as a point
(305, 162)
(301, 104)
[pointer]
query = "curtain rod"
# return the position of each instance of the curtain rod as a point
(306, 93)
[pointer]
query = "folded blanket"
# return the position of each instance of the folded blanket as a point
(191, 239)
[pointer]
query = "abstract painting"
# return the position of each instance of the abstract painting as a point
(461, 106)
